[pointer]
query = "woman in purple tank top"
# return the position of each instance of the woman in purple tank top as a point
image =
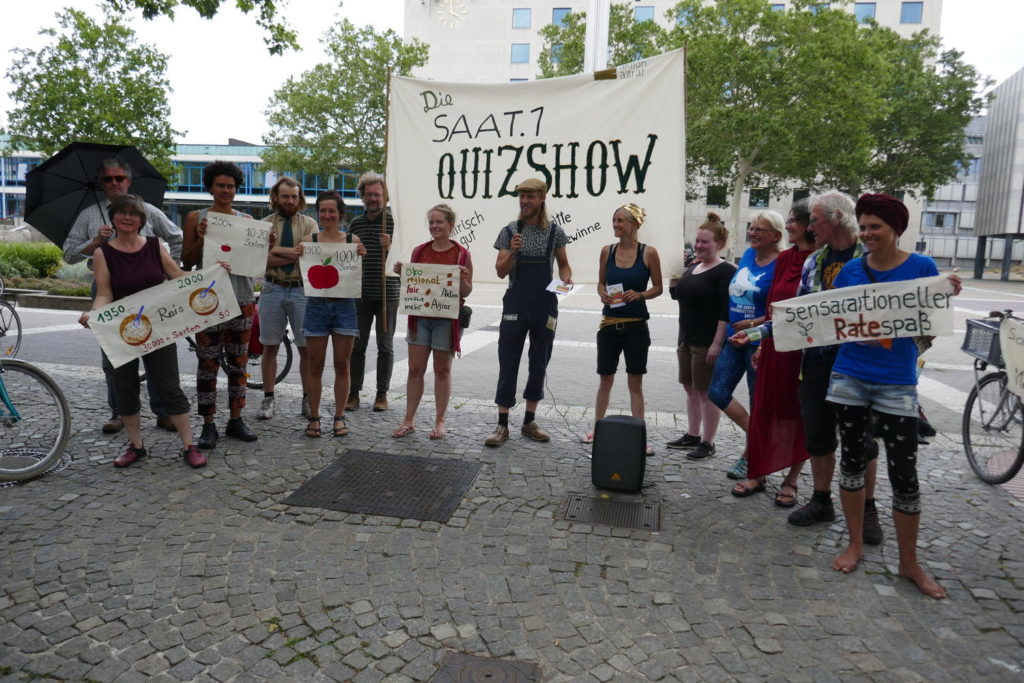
(127, 264)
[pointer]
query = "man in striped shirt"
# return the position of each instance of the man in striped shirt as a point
(380, 300)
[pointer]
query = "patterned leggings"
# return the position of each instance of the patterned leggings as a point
(900, 436)
(233, 337)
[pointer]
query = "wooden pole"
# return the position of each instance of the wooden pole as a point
(384, 212)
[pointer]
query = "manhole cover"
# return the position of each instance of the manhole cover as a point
(617, 513)
(465, 669)
(405, 486)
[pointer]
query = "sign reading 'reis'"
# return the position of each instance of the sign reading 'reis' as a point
(873, 312)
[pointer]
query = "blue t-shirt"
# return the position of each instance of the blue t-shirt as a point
(748, 290)
(870, 361)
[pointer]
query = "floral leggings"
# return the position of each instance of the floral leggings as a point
(899, 433)
(233, 338)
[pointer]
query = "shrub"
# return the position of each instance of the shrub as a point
(44, 259)
(14, 267)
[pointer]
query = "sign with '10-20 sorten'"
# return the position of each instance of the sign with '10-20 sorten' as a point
(331, 269)
(240, 242)
(429, 290)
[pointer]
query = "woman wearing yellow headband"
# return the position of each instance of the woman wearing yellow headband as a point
(627, 268)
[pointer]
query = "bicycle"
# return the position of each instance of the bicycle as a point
(993, 421)
(10, 327)
(35, 421)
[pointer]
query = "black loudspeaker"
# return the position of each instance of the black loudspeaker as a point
(618, 461)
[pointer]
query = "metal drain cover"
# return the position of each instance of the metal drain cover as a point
(458, 668)
(616, 513)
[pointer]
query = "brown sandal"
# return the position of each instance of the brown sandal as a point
(343, 429)
(311, 431)
(784, 499)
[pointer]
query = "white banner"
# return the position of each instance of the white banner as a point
(597, 144)
(133, 326)
(1011, 344)
(331, 269)
(869, 312)
(429, 290)
(240, 242)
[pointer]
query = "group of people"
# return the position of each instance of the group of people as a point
(798, 400)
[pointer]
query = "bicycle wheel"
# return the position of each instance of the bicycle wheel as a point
(254, 376)
(33, 438)
(993, 425)
(10, 331)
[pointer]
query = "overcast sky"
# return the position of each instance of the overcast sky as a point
(228, 53)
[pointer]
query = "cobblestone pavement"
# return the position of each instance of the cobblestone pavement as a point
(159, 572)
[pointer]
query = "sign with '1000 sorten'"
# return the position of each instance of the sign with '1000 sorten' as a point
(429, 290)
(331, 269)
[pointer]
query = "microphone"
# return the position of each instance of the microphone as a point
(519, 227)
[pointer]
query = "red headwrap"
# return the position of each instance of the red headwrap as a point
(886, 207)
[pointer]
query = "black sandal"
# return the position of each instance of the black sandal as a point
(311, 431)
(343, 429)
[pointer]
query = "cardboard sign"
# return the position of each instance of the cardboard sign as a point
(910, 308)
(241, 242)
(1011, 343)
(429, 290)
(133, 326)
(331, 269)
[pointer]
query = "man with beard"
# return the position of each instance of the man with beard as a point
(282, 300)
(527, 249)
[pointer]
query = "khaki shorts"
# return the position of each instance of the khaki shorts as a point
(694, 370)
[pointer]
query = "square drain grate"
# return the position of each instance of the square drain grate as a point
(617, 513)
(458, 668)
(404, 486)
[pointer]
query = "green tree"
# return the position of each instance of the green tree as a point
(628, 40)
(334, 114)
(279, 36)
(92, 82)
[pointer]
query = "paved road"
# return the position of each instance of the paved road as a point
(159, 572)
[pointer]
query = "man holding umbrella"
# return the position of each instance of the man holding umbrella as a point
(91, 229)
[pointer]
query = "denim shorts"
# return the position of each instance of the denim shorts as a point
(433, 332)
(330, 316)
(279, 306)
(729, 369)
(894, 399)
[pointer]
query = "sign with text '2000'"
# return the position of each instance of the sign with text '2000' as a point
(429, 290)
(331, 269)
(240, 242)
(156, 317)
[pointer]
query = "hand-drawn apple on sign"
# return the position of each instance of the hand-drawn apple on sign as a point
(323, 276)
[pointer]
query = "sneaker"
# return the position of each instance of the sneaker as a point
(872, 528)
(267, 408)
(194, 457)
(703, 451)
(812, 513)
(380, 403)
(208, 437)
(353, 401)
(164, 423)
(739, 469)
(533, 430)
(684, 443)
(113, 425)
(499, 436)
(306, 412)
(237, 429)
(130, 455)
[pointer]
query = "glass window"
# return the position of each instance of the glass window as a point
(819, 7)
(556, 53)
(683, 17)
(801, 193)
(717, 195)
(520, 53)
(558, 15)
(643, 13)
(778, 7)
(911, 12)
(521, 18)
(975, 139)
(759, 198)
(864, 11)
(518, 80)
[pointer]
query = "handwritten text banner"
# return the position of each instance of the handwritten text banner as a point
(331, 269)
(238, 241)
(870, 312)
(429, 290)
(133, 326)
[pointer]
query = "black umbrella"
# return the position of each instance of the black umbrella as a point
(59, 189)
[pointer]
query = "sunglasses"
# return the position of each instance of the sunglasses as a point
(114, 178)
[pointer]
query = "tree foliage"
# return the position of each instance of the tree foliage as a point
(777, 98)
(279, 36)
(94, 83)
(335, 114)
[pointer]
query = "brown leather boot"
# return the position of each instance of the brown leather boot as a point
(380, 403)
(353, 402)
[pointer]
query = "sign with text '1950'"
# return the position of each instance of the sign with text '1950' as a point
(156, 317)
(331, 269)
(911, 308)
(240, 242)
(429, 290)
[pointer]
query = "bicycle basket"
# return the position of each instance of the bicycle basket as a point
(982, 341)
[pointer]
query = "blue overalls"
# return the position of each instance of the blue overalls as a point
(527, 309)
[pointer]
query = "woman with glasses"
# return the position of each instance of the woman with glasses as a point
(748, 292)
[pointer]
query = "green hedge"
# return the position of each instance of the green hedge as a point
(30, 259)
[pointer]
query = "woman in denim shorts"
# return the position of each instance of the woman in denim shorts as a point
(881, 376)
(439, 337)
(329, 317)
